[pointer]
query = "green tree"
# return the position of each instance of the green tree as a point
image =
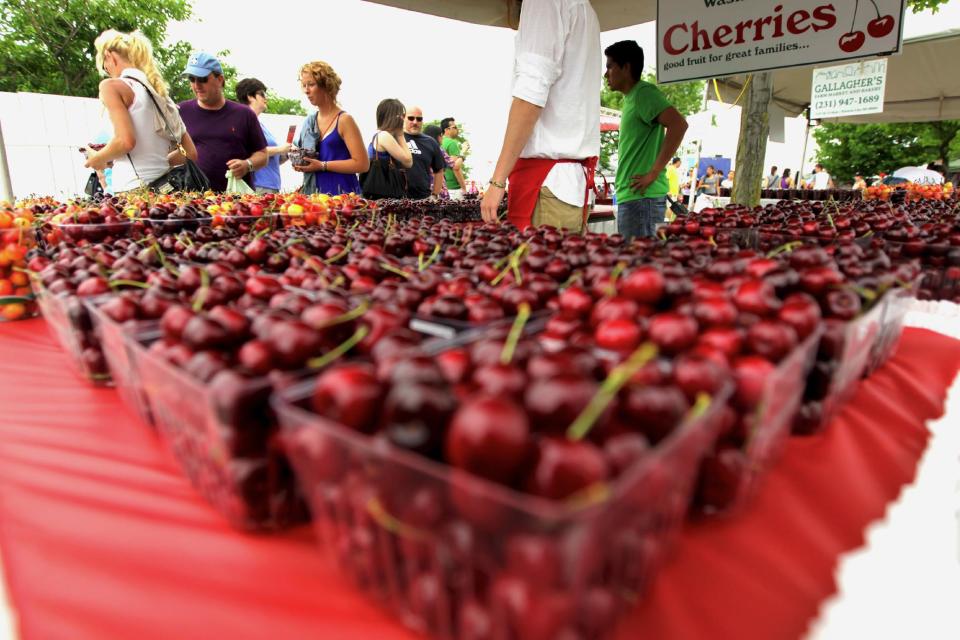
(687, 97)
(847, 149)
(46, 46)
(275, 103)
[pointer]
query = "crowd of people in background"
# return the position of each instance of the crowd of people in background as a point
(225, 137)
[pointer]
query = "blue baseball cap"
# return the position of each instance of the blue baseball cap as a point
(201, 64)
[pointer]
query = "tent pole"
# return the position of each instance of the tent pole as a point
(693, 171)
(803, 156)
(6, 188)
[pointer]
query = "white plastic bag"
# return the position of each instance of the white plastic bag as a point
(237, 185)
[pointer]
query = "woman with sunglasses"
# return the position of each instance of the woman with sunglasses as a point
(331, 134)
(141, 148)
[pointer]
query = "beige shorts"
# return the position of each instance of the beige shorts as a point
(557, 213)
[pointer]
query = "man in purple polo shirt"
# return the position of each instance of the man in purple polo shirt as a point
(227, 135)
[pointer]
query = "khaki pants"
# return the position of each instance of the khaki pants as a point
(557, 213)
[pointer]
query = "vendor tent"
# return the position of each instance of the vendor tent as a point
(922, 84)
(613, 14)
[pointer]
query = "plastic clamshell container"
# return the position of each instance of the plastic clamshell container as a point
(71, 326)
(100, 232)
(14, 308)
(223, 437)
(173, 225)
(842, 358)
(117, 346)
(896, 303)
(446, 329)
(461, 558)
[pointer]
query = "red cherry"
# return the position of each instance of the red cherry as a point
(620, 335)
(673, 332)
(881, 26)
(489, 436)
(852, 41)
(565, 467)
(349, 394)
(644, 285)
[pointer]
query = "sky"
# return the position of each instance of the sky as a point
(446, 67)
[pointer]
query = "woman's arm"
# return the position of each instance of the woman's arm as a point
(395, 146)
(358, 162)
(116, 96)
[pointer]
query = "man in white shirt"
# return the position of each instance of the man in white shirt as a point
(552, 140)
(821, 179)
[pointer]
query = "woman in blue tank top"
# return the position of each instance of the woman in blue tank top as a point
(331, 133)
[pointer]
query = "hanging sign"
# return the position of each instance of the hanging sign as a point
(715, 38)
(848, 89)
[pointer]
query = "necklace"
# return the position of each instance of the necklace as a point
(324, 130)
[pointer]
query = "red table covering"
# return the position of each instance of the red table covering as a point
(103, 538)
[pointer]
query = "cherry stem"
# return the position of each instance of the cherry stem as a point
(392, 269)
(433, 258)
(700, 405)
(785, 248)
(853, 23)
(353, 314)
(115, 284)
(875, 8)
(609, 389)
(341, 349)
(513, 338)
(615, 274)
(185, 239)
(392, 523)
(202, 292)
(337, 257)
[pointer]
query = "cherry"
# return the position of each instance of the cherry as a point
(750, 374)
(694, 374)
(564, 467)
(673, 332)
(415, 416)
(619, 335)
(722, 478)
(535, 557)
(843, 304)
(350, 395)
(880, 26)
(489, 436)
(771, 339)
(255, 357)
(554, 403)
(575, 302)
(715, 311)
(801, 312)
(623, 450)
(645, 285)
(500, 379)
(655, 410)
(758, 297)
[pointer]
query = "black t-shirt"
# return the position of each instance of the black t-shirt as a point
(427, 160)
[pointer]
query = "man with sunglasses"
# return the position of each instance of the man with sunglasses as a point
(423, 178)
(456, 184)
(227, 135)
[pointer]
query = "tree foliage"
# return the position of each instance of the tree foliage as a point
(847, 149)
(46, 46)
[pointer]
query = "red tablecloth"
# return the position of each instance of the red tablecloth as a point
(103, 538)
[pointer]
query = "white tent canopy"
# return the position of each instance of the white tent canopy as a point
(922, 84)
(613, 14)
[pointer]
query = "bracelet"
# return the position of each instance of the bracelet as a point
(249, 166)
(323, 166)
(499, 185)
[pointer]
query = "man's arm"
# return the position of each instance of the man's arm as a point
(676, 126)
(438, 181)
(520, 123)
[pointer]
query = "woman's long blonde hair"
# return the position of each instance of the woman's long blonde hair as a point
(136, 49)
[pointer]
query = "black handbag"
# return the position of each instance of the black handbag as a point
(677, 207)
(94, 189)
(185, 177)
(384, 179)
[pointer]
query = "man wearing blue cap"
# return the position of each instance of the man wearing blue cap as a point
(227, 135)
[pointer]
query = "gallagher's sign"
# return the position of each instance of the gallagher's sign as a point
(714, 38)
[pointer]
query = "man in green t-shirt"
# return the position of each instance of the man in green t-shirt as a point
(650, 133)
(456, 185)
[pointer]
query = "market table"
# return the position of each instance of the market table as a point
(101, 537)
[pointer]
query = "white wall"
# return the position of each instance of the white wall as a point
(43, 134)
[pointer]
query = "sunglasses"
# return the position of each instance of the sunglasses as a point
(415, 118)
(198, 80)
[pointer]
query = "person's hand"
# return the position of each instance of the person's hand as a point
(285, 148)
(641, 181)
(310, 165)
(94, 160)
(238, 168)
(490, 205)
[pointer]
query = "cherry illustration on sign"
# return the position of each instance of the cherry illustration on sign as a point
(877, 28)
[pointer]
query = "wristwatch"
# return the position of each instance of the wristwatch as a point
(499, 185)
(249, 166)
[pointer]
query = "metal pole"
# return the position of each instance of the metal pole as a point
(693, 172)
(803, 156)
(6, 188)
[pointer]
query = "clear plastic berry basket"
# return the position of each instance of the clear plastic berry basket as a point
(842, 358)
(71, 326)
(100, 232)
(449, 553)
(767, 431)
(115, 341)
(173, 225)
(896, 302)
(223, 437)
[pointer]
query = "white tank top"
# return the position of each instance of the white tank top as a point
(149, 154)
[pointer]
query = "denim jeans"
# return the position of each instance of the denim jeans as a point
(639, 218)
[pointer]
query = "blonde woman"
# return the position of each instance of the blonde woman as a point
(331, 134)
(144, 137)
